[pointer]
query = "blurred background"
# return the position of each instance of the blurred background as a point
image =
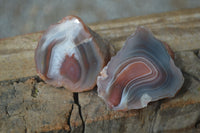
(26, 16)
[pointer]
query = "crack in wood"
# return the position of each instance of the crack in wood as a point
(190, 75)
(35, 91)
(6, 110)
(76, 100)
(152, 126)
(69, 117)
(22, 80)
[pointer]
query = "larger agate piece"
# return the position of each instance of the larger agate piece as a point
(70, 54)
(141, 72)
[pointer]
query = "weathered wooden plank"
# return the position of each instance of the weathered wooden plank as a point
(29, 107)
(33, 106)
(178, 114)
(181, 29)
(16, 58)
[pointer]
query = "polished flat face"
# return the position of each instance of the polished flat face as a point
(68, 55)
(141, 72)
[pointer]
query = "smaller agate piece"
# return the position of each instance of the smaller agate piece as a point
(141, 72)
(70, 54)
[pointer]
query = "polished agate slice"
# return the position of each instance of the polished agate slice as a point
(141, 72)
(70, 54)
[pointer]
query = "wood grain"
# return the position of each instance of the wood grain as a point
(180, 29)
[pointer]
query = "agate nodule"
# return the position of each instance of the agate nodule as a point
(70, 54)
(141, 72)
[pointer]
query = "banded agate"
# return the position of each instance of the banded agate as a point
(70, 54)
(141, 72)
